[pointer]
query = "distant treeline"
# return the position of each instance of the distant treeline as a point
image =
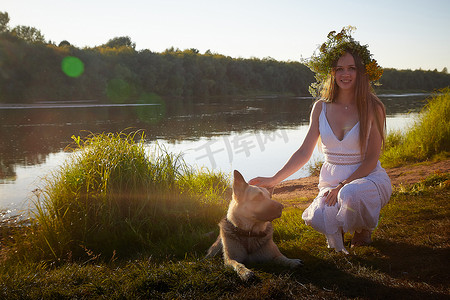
(417, 80)
(116, 72)
(33, 70)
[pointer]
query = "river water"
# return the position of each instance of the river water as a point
(253, 135)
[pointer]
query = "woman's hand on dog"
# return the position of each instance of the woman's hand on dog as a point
(265, 182)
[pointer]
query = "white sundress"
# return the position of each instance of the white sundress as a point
(359, 202)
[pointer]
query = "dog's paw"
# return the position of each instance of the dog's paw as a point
(289, 262)
(246, 275)
(295, 263)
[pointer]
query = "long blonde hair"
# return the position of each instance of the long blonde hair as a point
(366, 101)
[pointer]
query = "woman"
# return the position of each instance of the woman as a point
(350, 122)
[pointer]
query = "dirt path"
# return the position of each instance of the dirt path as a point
(307, 187)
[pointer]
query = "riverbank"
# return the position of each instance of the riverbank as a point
(407, 259)
(300, 192)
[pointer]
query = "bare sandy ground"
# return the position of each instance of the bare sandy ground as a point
(307, 187)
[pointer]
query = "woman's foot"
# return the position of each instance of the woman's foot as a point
(362, 238)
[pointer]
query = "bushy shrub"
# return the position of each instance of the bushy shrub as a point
(115, 196)
(428, 136)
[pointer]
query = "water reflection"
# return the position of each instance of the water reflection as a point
(32, 140)
(29, 134)
(402, 104)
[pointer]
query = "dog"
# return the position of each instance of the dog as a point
(246, 234)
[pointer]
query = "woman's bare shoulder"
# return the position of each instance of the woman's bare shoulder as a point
(316, 110)
(317, 106)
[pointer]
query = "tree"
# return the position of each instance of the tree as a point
(4, 20)
(29, 34)
(122, 41)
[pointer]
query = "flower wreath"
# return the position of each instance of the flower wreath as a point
(330, 51)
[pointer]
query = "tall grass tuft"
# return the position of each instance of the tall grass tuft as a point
(429, 136)
(114, 197)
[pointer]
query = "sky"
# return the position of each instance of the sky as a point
(401, 34)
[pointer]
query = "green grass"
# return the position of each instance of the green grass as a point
(114, 198)
(408, 259)
(427, 138)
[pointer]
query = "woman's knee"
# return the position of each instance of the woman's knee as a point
(349, 196)
(347, 193)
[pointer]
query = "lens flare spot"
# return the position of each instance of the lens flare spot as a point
(72, 66)
(118, 90)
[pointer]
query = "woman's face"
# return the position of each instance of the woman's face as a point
(346, 72)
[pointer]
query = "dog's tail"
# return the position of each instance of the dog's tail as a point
(215, 248)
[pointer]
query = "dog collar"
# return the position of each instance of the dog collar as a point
(240, 232)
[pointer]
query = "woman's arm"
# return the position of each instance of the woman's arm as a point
(300, 157)
(368, 164)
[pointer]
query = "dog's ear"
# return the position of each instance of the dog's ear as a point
(239, 183)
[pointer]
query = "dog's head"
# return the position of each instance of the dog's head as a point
(252, 202)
